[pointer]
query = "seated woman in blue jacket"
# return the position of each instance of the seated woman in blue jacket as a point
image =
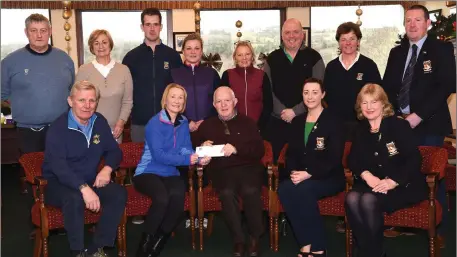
(167, 145)
(386, 163)
(314, 160)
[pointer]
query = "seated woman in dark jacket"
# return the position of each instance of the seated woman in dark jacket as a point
(386, 163)
(314, 159)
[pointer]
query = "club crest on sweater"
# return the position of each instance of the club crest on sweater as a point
(96, 139)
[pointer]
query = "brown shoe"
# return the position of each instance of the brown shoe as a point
(396, 231)
(254, 248)
(441, 241)
(238, 250)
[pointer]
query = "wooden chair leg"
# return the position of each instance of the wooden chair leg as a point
(448, 202)
(45, 246)
(38, 243)
(192, 231)
(270, 220)
(432, 247)
(200, 229)
(276, 232)
(209, 229)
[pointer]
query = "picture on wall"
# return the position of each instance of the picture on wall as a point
(178, 40)
(433, 14)
(307, 39)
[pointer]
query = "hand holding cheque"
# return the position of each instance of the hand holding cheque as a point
(210, 150)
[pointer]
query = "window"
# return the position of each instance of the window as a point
(13, 24)
(452, 10)
(124, 28)
(379, 33)
(260, 27)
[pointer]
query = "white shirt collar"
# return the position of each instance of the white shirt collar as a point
(353, 62)
(104, 70)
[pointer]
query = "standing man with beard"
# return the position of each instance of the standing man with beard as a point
(150, 64)
(288, 68)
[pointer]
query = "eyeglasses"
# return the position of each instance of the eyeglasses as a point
(226, 129)
(242, 41)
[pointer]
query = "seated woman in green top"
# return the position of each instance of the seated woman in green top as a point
(314, 160)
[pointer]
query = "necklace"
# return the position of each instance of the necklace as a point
(373, 131)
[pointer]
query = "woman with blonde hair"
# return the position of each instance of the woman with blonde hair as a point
(167, 146)
(251, 85)
(112, 79)
(385, 162)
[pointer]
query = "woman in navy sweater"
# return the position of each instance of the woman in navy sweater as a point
(167, 145)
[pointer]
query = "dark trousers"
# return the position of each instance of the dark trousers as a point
(432, 140)
(30, 140)
(241, 182)
(301, 207)
(167, 194)
(113, 198)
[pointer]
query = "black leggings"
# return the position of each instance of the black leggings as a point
(366, 219)
(167, 194)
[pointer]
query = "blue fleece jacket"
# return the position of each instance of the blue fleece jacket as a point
(71, 157)
(37, 85)
(167, 146)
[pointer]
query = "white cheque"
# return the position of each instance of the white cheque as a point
(211, 151)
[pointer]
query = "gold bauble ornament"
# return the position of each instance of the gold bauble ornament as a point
(197, 6)
(67, 26)
(359, 22)
(359, 12)
(238, 24)
(66, 14)
(67, 38)
(239, 34)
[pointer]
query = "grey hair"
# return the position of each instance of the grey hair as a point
(36, 17)
(223, 87)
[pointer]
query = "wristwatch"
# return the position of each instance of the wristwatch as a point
(83, 186)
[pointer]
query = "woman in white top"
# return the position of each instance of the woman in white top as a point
(113, 80)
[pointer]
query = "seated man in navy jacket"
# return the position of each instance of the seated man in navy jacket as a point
(75, 144)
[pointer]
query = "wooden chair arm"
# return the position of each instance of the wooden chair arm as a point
(40, 183)
(119, 176)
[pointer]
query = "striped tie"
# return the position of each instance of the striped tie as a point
(403, 96)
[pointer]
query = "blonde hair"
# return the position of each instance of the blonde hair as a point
(248, 45)
(167, 91)
(378, 93)
(95, 34)
(84, 85)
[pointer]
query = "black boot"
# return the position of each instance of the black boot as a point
(145, 245)
(158, 242)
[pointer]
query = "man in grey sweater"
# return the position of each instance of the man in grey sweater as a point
(36, 80)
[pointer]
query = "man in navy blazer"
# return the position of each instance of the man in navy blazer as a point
(419, 78)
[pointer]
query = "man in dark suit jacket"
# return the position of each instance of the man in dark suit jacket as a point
(419, 77)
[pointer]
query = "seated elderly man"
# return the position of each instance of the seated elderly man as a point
(239, 172)
(75, 144)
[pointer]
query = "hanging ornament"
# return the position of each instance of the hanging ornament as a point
(359, 13)
(197, 7)
(213, 61)
(67, 26)
(239, 24)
